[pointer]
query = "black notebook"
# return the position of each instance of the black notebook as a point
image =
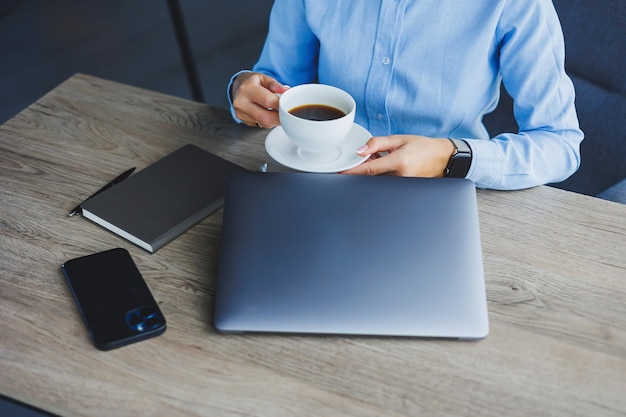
(159, 203)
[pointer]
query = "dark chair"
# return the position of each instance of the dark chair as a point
(595, 34)
(616, 192)
(182, 37)
(216, 45)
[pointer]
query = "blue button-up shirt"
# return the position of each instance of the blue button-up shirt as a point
(434, 68)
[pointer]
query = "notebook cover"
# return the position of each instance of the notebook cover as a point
(159, 203)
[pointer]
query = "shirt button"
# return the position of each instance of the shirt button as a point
(379, 116)
(386, 60)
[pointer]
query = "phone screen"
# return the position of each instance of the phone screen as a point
(113, 299)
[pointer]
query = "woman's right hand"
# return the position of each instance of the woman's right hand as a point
(255, 99)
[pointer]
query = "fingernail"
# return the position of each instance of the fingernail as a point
(362, 149)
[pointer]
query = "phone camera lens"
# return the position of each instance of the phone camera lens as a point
(135, 320)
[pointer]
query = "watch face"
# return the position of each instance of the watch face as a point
(459, 165)
(460, 162)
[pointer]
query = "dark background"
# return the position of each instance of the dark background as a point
(44, 42)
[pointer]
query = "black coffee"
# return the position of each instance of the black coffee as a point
(319, 112)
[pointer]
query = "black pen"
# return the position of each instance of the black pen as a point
(120, 178)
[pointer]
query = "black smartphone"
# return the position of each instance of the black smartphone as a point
(113, 299)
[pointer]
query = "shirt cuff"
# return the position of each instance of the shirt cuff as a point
(230, 98)
(486, 164)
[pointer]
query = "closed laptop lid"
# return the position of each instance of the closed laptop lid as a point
(354, 255)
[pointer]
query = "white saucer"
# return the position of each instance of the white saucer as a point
(341, 158)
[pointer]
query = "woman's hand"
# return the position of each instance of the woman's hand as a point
(408, 156)
(255, 100)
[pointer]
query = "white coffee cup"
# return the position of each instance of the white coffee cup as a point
(316, 139)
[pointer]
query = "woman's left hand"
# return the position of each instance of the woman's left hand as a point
(408, 156)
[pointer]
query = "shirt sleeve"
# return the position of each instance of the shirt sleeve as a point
(290, 53)
(547, 147)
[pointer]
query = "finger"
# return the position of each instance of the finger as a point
(264, 97)
(277, 88)
(261, 118)
(251, 112)
(256, 124)
(250, 94)
(254, 99)
(381, 144)
(376, 166)
(261, 107)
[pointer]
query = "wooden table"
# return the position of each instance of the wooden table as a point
(555, 265)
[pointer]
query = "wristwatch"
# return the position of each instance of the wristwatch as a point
(460, 161)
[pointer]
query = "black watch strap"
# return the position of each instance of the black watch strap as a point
(460, 161)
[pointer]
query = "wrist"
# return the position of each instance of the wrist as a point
(447, 150)
(235, 82)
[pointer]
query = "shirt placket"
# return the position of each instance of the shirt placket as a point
(381, 68)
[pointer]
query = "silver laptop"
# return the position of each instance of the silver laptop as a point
(350, 255)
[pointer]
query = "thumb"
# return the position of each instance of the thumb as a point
(276, 87)
(379, 144)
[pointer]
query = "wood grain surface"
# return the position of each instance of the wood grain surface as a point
(555, 267)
